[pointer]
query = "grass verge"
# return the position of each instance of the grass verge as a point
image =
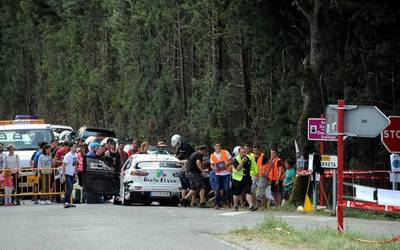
(280, 233)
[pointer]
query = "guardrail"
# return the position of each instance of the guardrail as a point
(32, 182)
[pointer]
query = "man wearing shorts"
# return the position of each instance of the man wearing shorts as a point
(220, 161)
(276, 176)
(244, 167)
(261, 181)
(195, 174)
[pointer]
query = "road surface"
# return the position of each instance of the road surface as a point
(106, 226)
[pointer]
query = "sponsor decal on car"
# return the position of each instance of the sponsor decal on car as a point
(161, 173)
(159, 180)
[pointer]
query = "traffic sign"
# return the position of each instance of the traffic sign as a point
(395, 162)
(329, 161)
(316, 130)
(390, 136)
(359, 121)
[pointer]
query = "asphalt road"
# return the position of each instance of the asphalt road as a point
(107, 226)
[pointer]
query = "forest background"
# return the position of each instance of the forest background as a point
(235, 71)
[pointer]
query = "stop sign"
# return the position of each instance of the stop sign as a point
(390, 136)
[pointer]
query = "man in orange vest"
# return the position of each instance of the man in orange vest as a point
(220, 161)
(261, 181)
(276, 176)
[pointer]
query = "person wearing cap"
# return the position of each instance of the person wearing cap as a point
(92, 149)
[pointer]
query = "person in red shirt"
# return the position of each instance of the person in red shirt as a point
(123, 155)
(58, 160)
(82, 151)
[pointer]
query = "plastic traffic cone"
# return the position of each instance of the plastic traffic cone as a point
(308, 207)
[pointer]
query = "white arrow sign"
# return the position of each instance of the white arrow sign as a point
(359, 121)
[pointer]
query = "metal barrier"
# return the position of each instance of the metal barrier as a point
(33, 182)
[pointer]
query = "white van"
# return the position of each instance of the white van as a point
(25, 134)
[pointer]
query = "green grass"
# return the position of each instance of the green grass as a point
(348, 212)
(279, 232)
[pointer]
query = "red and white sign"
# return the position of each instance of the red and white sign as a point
(390, 136)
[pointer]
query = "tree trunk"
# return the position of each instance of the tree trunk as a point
(245, 83)
(182, 64)
(312, 89)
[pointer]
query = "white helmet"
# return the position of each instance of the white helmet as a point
(236, 150)
(176, 140)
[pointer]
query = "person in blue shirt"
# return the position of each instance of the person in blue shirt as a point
(36, 155)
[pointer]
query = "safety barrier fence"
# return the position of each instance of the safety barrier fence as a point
(31, 182)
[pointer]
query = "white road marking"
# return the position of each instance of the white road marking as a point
(234, 213)
(226, 243)
(229, 244)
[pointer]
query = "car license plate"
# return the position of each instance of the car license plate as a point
(160, 194)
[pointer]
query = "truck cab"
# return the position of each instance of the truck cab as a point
(25, 134)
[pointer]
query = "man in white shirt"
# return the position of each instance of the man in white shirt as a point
(69, 164)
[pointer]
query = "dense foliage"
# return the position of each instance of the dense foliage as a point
(228, 70)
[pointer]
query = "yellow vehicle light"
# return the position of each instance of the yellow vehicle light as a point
(25, 121)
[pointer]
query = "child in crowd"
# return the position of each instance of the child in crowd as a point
(11, 162)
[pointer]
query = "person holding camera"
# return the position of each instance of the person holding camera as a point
(244, 167)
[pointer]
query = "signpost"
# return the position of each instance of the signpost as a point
(329, 161)
(316, 130)
(359, 121)
(351, 120)
(340, 153)
(395, 164)
(390, 136)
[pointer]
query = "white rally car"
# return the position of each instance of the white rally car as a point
(150, 177)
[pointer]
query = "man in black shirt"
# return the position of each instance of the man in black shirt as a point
(113, 156)
(195, 174)
(183, 151)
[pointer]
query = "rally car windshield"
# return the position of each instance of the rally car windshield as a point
(157, 164)
(25, 139)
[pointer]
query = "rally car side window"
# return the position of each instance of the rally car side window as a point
(127, 164)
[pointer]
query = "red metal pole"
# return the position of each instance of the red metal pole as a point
(321, 177)
(340, 153)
